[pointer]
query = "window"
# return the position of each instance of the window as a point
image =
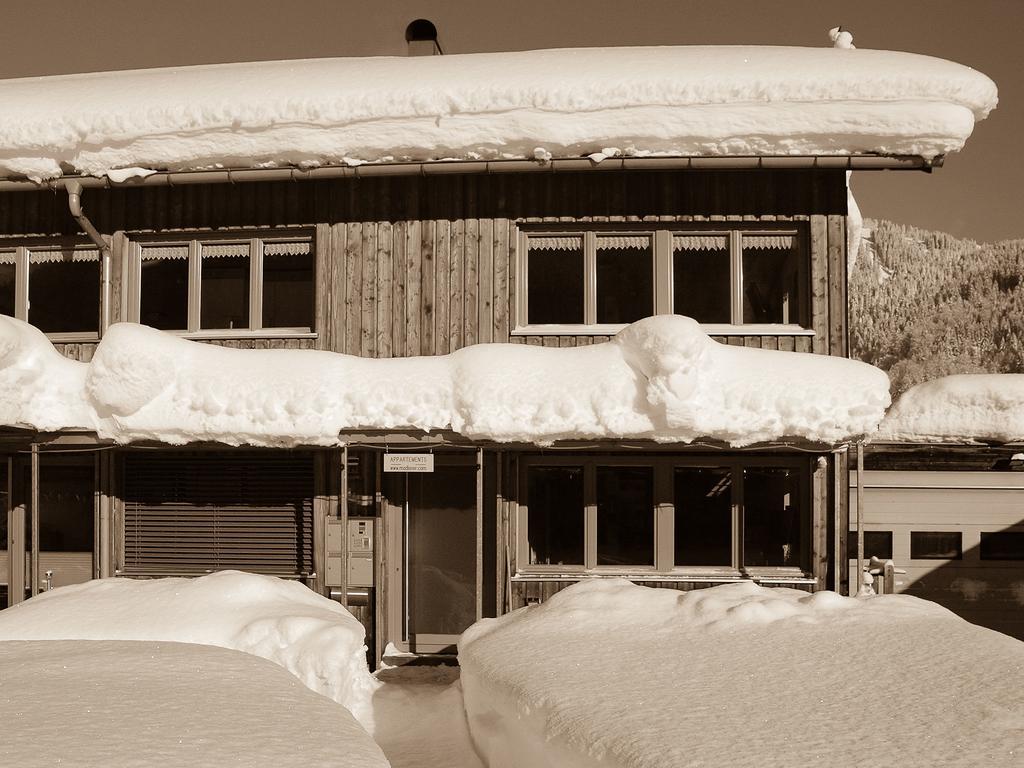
(54, 287)
(217, 287)
(663, 514)
(876, 544)
(936, 545)
(598, 281)
(1002, 545)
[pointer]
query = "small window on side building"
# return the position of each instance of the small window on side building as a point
(876, 544)
(701, 278)
(625, 278)
(703, 516)
(625, 515)
(936, 545)
(771, 280)
(1002, 545)
(772, 530)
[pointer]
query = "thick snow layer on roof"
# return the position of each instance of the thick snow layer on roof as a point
(39, 387)
(692, 100)
(963, 408)
(312, 637)
(661, 378)
(612, 675)
(166, 705)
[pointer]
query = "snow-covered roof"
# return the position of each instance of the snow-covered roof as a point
(965, 408)
(682, 100)
(661, 378)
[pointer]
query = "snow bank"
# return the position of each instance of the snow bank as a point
(962, 408)
(312, 637)
(608, 674)
(166, 705)
(661, 378)
(693, 100)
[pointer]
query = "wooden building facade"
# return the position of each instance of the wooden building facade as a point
(424, 264)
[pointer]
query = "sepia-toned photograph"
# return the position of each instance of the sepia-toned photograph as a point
(464, 384)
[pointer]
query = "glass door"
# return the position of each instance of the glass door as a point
(441, 554)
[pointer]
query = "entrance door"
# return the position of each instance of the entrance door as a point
(441, 554)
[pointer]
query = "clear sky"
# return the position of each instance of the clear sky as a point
(975, 195)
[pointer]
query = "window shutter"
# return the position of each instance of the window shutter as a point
(192, 513)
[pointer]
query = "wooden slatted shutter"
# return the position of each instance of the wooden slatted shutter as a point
(192, 513)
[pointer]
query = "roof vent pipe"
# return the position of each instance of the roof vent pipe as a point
(421, 35)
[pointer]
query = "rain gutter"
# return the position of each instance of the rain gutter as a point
(448, 167)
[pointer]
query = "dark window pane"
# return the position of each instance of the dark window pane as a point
(625, 516)
(936, 545)
(555, 291)
(876, 544)
(225, 293)
(64, 296)
(163, 294)
(703, 502)
(555, 520)
(771, 285)
(700, 284)
(625, 280)
(65, 508)
(8, 275)
(1002, 545)
(772, 533)
(288, 290)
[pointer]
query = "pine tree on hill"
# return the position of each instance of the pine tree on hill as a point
(925, 304)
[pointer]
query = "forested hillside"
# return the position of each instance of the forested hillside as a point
(925, 304)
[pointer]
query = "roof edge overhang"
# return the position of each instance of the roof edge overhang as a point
(454, 167)
(411, 440)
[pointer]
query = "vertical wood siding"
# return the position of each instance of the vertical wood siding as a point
(426, 265)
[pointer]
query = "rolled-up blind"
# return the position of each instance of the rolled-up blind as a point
(191, 513)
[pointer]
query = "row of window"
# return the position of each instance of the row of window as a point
(716, 277)
(578, 279)
(940, 545)
(246, 285)
(663, 514)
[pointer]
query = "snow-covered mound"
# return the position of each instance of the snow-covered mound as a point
(312, 637)
(607, 674)
(962, 408)
(39, 387)
(166, 705)
(699, 100)
(661, 378)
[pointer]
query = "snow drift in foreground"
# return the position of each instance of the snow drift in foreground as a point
(739, 676)
(312, 637)
(684, 100)
(661, 378)
(166, 705)
(962, 408)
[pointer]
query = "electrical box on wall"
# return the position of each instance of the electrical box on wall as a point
(358, 542)
(360, 551)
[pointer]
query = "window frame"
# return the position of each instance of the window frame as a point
(663, 277)
(23, 250)
(195, 243)
(664, 516)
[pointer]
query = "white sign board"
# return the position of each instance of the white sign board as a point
(408, 462)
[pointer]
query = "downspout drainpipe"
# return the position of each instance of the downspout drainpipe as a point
(860, 517)
(74, 190)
